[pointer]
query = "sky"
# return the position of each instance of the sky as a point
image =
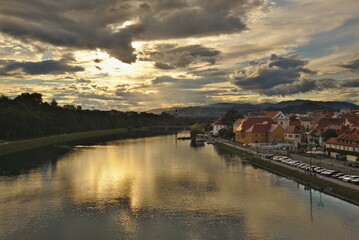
(146, 54)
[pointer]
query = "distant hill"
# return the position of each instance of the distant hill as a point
(295, 106)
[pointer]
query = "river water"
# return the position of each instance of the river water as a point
(160, 188)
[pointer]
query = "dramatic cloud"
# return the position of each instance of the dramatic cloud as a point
(278, 76)
(53, 67)
(183, 83)
(111, 25)
(301, 86)
(351, 83)
(351, 65)
(167, 56)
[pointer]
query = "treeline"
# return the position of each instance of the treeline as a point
(28, 116)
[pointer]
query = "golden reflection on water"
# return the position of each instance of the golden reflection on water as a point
(171, 177)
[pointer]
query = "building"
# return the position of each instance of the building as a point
(237, 123)
(246, 134)
(279, 117)
(246, 124)
(345, 146)
(351, 119)
(218, 125)
(264, 133)
(306, 122)
(294, 134)
(315, 136)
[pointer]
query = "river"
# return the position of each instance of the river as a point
(160, 188)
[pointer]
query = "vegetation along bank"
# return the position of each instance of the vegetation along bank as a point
(22, 145)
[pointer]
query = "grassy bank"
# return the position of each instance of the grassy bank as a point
(342, 192)
(18, 146)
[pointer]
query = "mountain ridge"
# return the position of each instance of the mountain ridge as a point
(301, 106)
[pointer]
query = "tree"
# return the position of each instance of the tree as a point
(226, 133)
(196, 129)
(329, 133)
(292, 118)
(4, 99)
(29, 98)
(231, 116)
(53, 103)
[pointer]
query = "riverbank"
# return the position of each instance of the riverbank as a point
(23, 145)
(330, 188)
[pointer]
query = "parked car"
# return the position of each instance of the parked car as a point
(296, 164)
(317, 169)
(350, 178)
(356, 181)
(301, 165)
(276, 158)
(329, 173)
(338, 175)
(305, 166)
(344, 176)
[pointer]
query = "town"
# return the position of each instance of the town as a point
(323, 132)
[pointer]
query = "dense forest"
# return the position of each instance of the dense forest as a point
(28, 116)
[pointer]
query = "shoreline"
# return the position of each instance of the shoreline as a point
(342, 192)
(33, 143)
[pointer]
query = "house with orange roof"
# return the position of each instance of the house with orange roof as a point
(346, 145)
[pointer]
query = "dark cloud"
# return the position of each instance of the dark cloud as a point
(93, 24)
(210, 73)
(96, 96)
(350, 83)
(62, 66)
(185, 83)
(168, 56)
(278, 76)
(351, 65)
(82, 81)
(301, 86)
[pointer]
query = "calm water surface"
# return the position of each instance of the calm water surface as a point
(160, 188)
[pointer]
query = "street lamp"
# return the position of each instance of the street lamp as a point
(310, 160)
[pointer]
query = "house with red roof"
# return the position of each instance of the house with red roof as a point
(218, 125)
(306, 122)
(279, 117)
(294, 134)
(259, 130)
(264, 133)
(237, 123)
(315, 136)
(346, 145)
(351, 119)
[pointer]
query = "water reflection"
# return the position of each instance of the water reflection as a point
(160, 188)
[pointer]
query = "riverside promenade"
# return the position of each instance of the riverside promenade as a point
(332, 163)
